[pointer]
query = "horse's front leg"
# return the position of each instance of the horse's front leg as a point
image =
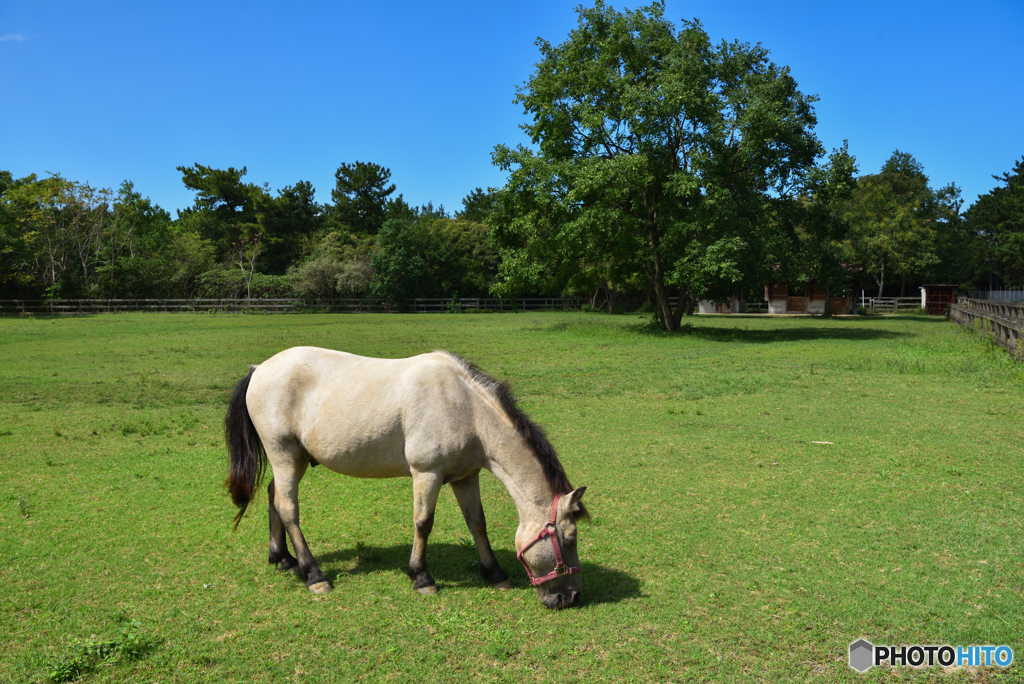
(286, 500)
(467, 493)
(425, 488)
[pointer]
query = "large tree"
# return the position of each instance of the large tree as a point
(360, 196)
(656, 154)
(224, 210)
(58, 226)
(821, 228)
(287, 222)
(997, 221)
(895, 219)
(244, 221)
(477, 206)
(133, 248)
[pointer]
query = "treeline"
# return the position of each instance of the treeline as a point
(663, 169)
(885, 232)
(63, 238)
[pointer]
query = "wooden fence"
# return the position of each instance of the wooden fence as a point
(59, 307)
(1001, 320)
(893, 304)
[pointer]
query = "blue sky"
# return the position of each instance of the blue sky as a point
(107, 91)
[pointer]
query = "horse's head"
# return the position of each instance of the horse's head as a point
(558, 583)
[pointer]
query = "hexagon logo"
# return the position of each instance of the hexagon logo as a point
(862, 654)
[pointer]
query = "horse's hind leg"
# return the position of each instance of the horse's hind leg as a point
(467, 493)
(287, 474)
(278, 545)
(425, 488)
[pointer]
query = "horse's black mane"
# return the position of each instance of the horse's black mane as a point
(531, 433)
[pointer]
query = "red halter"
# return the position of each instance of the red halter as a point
(549, 531)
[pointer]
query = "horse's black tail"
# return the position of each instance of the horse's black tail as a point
(248, 457)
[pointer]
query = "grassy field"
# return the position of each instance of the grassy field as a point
(725, 544)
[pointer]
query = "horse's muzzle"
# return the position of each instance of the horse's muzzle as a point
(559, 601)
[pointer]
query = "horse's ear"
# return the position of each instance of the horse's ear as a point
(572, 503)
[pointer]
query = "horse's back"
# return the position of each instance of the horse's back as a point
(363, 416)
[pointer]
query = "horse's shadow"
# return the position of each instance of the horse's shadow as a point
(455, 565)
(839, 329)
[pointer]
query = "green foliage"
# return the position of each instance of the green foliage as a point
(236, 217)
(461, 255)
(223, 211)
(821, 227)
(477, 206)
(433, 257)
(66, 239)
(316, 278)
(89, 654)
(19, 213)
(397, 264)
(897, 221)
(131, 254)
(997, 222)
(286, 221)
(187, 256)
(233, 283)
(453, 306)
(360, 195)
(323, 277)
(55, 233)
(651, 145)
(354, 278)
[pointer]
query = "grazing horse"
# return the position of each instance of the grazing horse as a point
(436, 418)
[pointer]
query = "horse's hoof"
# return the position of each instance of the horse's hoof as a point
(503, 585)
(428, 590)
(320, 587)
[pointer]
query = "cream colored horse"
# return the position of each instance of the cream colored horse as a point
(435, 418)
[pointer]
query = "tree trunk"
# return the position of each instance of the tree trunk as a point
(881, 283)
(828, 302)
(657, 273)
(687, 303)
(661, 295)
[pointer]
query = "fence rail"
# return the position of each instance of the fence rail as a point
(57, 307)
(1002, 320)
(893, 304)
(1014, 294)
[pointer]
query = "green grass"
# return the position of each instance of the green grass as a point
(725, 544)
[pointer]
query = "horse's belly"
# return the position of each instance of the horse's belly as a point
(384, 458)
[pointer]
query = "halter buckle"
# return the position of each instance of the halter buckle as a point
(561, 570)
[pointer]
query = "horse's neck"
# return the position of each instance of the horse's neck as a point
(514, 464)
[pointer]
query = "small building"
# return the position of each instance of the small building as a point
(937, 298)
(811, 302)
(735, 304)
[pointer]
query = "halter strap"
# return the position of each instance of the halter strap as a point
(549, 532)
